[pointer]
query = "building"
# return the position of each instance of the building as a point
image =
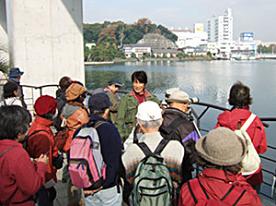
(189, 38)
(245, 48)
(220, 31)
(136, 49)
(151, 44)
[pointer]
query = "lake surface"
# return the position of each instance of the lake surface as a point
(210, 81)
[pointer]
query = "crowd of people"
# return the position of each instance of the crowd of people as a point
(132, 150)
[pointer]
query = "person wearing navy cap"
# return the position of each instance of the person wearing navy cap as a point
(15, 76)
(112, 92)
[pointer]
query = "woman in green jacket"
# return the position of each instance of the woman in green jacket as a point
(129, 103)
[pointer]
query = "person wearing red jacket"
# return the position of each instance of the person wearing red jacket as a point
(220, 153)
(240, 99)
(41, 141)
(20, 178)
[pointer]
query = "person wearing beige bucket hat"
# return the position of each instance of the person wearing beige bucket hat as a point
(221, 182)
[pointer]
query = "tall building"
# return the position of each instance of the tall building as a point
(220, 28)
(220, 33)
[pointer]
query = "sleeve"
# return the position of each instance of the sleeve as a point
(28, 177)
(259, 138)
(112, 155)
(120, 122)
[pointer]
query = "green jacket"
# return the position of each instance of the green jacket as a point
(127, 113)
(115, 100)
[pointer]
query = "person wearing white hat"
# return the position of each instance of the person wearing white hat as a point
(149, 118)
(178, 125)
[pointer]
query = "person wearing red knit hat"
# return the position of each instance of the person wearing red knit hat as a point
(41, 141)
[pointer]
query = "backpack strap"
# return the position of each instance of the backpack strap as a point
(145, 149)
(248, 122)
(161, 146)
(191, 192)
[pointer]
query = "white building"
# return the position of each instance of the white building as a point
(220, 31)
(188, 38)
(136, 49)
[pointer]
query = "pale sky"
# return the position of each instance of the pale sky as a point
(256, 16)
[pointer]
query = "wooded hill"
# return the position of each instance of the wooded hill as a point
(110, 36)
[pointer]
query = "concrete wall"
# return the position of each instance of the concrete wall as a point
(4, 57)
(46, 39)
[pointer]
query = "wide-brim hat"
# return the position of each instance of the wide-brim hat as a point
(221, 146)
(74, 91)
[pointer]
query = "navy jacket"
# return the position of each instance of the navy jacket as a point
(111, 146)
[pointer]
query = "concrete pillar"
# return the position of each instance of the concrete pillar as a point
(46, 40)
(4, 55)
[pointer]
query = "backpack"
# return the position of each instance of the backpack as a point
(197, 190)
(152, 181)
(86, 166)
(251, 161)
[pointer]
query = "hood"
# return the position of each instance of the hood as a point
(231, 118)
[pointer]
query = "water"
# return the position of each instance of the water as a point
(209, 81)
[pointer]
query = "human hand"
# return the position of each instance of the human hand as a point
(43, 158)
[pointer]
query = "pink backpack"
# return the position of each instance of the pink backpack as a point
(86, 166)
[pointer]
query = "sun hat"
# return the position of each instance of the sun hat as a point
(99, 102)
(178, 96)
(221, 146)
(45, 104)
(74, 91)
(149, 111)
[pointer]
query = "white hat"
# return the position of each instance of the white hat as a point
(149, 111)
(178, 96)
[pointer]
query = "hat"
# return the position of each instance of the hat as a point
(99, 102)
(74, 91)
(9, 88)
(15, 72)
(45, 104)
(221, 146)
(170, 91)
(116, 83)
(178, 96)
(149, 111)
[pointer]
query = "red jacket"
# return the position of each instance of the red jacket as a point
(20, 179)
(43, 143)
(256, 130)
(217, 183)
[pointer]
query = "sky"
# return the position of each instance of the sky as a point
(256, 16)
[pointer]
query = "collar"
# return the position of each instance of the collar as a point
(221, 175)
(43, 121)
(94, 118)
(146, 93)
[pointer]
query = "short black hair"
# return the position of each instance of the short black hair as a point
(9, 88)
(240, 95)
(141, 76)
(13, 120)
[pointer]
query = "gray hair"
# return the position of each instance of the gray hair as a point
(150, 124)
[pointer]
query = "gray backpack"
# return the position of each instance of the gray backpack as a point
(152, 181)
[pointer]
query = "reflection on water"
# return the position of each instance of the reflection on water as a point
(210, 81)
